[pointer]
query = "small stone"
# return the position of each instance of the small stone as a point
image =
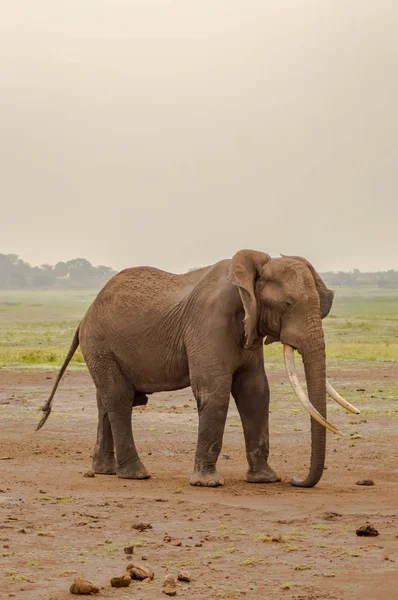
(198, 545)
(83, 587)
(226, 456)
(42, 492)
(121, 581)
(367, 530)
(129, 550)
(170, 586)
(89, 474)
(141, 526)
(386, 557)
(331, 516)
(176, 543)
(140, 572)
(183, 576)
(367, 482)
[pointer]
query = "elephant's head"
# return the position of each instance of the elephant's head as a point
(284, 299)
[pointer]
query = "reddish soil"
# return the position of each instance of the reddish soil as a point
(242, 540)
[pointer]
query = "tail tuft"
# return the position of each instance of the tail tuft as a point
(46, 414)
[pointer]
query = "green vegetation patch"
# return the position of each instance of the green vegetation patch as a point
(37, 327)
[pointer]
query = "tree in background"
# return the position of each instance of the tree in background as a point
(16, 274)
(77, 273)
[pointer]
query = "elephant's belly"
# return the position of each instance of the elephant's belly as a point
(152, 373)
(150, 387)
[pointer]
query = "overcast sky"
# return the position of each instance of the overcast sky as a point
(174, 132)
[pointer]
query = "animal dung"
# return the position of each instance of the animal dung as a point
(170, 586)
(121, 581)
(140, 572)
(367, 530)
(141, 526)
(83, 587)
(89, 474)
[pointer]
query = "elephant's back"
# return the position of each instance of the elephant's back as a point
(143, 292)
(140, 288)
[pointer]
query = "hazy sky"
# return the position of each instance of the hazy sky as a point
(175, 132)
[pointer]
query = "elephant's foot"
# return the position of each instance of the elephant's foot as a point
(104, 466)
(263, 475)
(132, 469)
(206, 479)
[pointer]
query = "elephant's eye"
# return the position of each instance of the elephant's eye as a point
(287, 304)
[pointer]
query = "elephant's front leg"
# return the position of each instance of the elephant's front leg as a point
(251, 393)
(212, 400)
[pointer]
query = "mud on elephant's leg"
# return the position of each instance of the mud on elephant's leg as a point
(251, 393)
(104, 462)
(212, 408)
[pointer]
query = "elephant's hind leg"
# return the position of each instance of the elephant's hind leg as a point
(115, 398)
(104, 461)
(129, 465)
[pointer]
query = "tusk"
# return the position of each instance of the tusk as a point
(300, 393)
(340, 400)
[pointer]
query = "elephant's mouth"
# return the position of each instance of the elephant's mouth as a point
(288, 352)
(271, 339)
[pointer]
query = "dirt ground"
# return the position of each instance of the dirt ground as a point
(239, 541)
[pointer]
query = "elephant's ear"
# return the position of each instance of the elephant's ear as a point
(246, 267)
(325, 295)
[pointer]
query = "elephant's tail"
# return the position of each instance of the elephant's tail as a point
(47, 407)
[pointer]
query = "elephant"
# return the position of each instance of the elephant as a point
(151, 331)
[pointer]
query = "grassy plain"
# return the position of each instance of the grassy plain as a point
(36, 327)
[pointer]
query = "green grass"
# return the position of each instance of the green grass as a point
(363, 325)
(49, 356)
(37, 327)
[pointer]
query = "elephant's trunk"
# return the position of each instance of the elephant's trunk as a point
(314, 359)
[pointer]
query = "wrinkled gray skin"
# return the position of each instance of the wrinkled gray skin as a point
(151, 331)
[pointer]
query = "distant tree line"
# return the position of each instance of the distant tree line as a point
(16, 274)
(355, 278)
